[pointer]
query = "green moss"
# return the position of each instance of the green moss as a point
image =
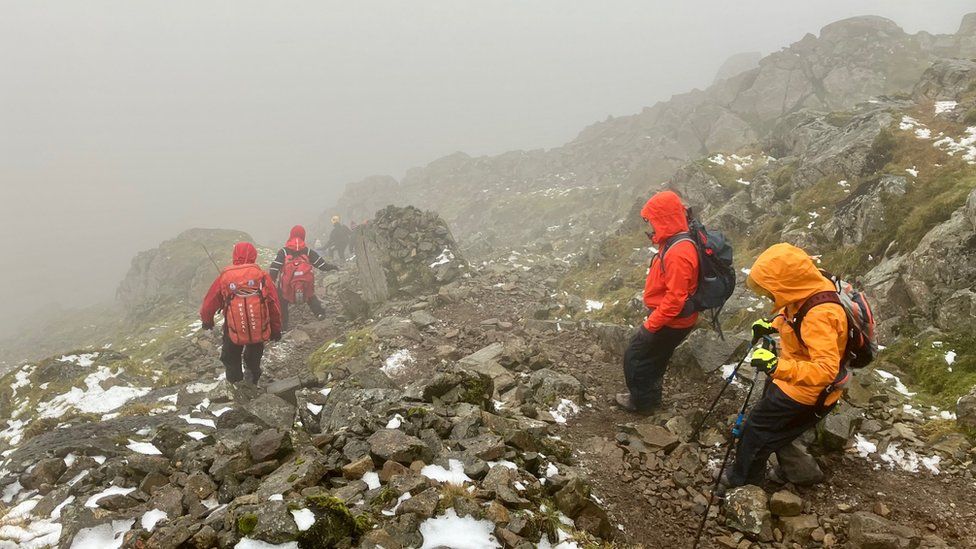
(839, 119)
(882, 151)
(340, 350)
(970, 118)
(924, 364)
(246, 523)
(385, 497)
(334, 524)
(417, 411)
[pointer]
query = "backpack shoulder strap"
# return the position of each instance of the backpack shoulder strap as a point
(818, 298)
(680, 237)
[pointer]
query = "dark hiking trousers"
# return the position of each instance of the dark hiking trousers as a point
(775, 421)
(313, 303)
(646, 360)
(235, 356)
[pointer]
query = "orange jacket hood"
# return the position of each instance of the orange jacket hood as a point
(667, 214)
(244, 252)
(789, 274)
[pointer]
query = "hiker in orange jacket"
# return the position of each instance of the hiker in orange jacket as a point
(247, 296)
(804, 365)
(671, 279)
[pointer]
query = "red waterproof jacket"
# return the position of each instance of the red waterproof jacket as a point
(296, 239)
(244, 252)
(668, 287)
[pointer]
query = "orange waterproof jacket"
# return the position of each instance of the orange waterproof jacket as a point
(789, 274)
(666, 289)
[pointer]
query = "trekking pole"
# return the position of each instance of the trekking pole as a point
(210, 256)
(728, 381)
(736, 435)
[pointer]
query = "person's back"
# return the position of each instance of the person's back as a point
(295, 250)
(252, 316)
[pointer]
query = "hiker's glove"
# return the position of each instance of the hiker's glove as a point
(765, 361)
(761, 328)
(276, 337)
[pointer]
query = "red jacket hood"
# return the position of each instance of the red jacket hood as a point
(296, 238)
(666, 213)
(244, 252)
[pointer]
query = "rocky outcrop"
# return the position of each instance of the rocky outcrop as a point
(178, 270)
(737, 64)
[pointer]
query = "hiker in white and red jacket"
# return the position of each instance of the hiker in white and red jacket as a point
(292, 272)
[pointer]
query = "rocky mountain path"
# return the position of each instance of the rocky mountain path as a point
(654, 495)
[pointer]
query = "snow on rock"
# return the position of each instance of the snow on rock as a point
(592, 305)
(110, 491)
(143, 448)
(94, 399)
(149, 520)
(912, 171)
(198, 421)
(743, 182)
(196, 435)
(103, 536)
(503, 463)
(248, 543)
(446, 257)
(864, 446)
(372, 479)
(450, 530)
(455, 475)
(564, 410)
(896, 381)
(395, 422)
(401, 499)
(944, 106)
(397, 361)
(304, 518)
(718, 159)
(314, 408)
(84, 360)
(965, 145)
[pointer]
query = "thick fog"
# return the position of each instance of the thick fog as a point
(123, 123)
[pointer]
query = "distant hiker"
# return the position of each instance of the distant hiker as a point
(340, 239)
(252, 316)
(807, 374)
(671, 279)
(292, 272)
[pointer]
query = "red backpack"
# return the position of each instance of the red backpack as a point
(245, 310)
(297, 278)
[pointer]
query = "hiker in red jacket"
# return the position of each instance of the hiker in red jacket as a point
(671, 279)
(247, 297)
(292, 272)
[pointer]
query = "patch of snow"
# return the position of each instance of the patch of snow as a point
(221, 411)
(110, 491)
(455, 475)
(896, 381)
(843, 183)
(325, 392)
(718, 159)
(397, 361)
(944, 106)
(201, 387)
(248, 543)
(304, 518)
(950, 357)
(143, 448)
(864, 446)
(592, 305)
(564, 410)
(196, 435)
(551, 470)
(276, 497)
(450, 530)
(446, 257)
(743, 182)
(912, 171)
(894, 456)
(395, 422)
(314, 408)
(198, 421)
(84, 360)
(503, 463)
(372, 480)
(94, 399)
(149, 520)
(923, 133)
(56, 513)
(99, 459)
(401, 499)
(103, 536)
(932, 464)
(965, 145)
(907, 123)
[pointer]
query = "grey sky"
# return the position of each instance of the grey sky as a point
(123, 123)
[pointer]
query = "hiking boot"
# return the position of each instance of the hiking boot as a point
(624, 401)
